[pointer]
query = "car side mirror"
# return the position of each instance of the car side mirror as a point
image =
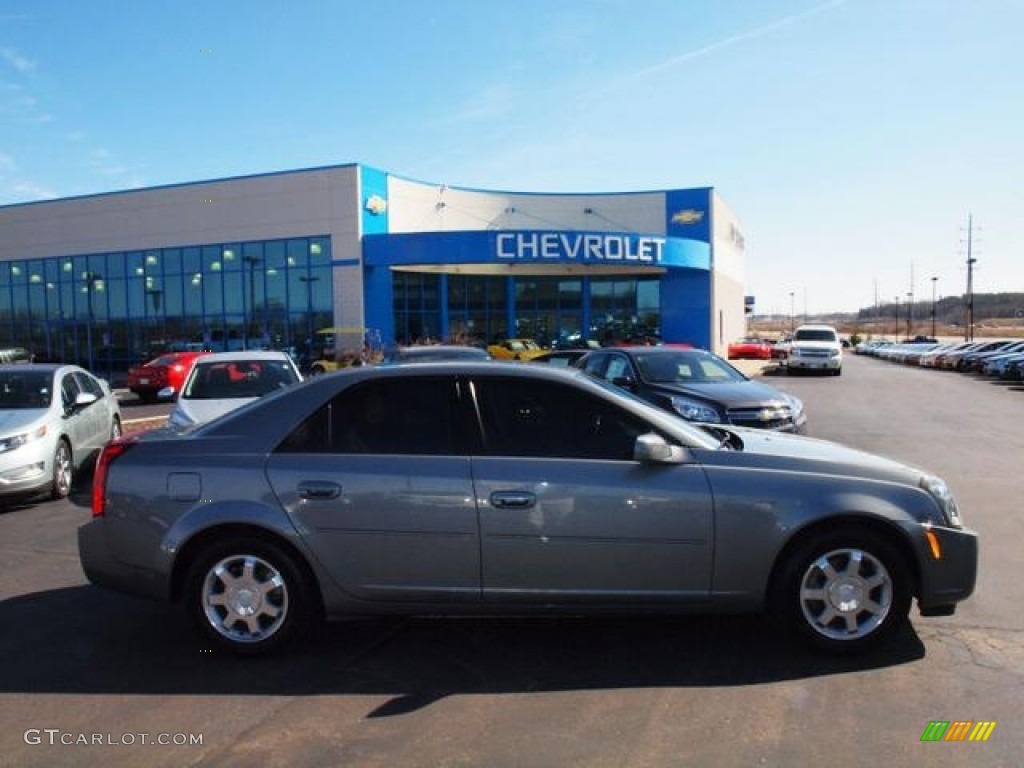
(652, 448)
(82, 400)
(167, 393)
(626, 382)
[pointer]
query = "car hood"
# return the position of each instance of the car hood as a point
(732, 394)
(780, 451)
(18, 419)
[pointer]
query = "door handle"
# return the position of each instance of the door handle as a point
(512, 500)
(314, 489)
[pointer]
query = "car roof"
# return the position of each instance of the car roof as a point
(252, 354)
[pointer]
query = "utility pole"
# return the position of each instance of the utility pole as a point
(969, 321)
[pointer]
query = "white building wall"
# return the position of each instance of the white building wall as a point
(252, 208)
(418, 207)
(728, 321)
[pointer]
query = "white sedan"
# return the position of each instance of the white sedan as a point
(223, 381)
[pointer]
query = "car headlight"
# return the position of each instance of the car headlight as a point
(940, 492)
(835, 353)
(796, 405)
(14, 442)
(694, 410)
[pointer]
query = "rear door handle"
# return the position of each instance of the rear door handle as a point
(316, 489)
(512, 499)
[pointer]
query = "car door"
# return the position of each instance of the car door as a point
(378, 483)
(76, 421)
(566, 514)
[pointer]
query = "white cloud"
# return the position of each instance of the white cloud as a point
(16, 60)
(30, 190)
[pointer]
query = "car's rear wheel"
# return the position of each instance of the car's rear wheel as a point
(63, 470)
(248, 595)
(845, 591)
(317, 370)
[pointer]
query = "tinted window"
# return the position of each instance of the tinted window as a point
(550, 420)
(815, 335)
(684, 367)
(88, 384)
(393, 416)
(594, 364)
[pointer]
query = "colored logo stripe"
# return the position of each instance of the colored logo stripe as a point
(982, 730)
(958, 730)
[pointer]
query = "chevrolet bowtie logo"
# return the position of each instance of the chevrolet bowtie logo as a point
(689, 216)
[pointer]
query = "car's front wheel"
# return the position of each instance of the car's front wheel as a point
(63, 470)
(248, 595)
(845, 591)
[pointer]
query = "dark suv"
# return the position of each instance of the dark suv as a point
(697, 385)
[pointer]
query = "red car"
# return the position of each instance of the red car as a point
(168, 370)
(750, 349)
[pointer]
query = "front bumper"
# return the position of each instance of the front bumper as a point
(949, 579)
(815, 363)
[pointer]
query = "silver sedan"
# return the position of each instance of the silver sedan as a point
(469, 488)
(54, 419)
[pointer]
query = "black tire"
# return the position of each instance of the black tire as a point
(63, 470)
(272, 604)
(838, 372)
(864, 601)
(317, 370)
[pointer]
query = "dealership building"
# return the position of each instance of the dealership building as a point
(269, 260)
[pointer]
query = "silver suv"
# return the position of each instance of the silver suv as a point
(816, 348)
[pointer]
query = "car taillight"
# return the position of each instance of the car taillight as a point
(110, 452)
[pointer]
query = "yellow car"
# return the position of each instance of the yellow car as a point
(515, 349)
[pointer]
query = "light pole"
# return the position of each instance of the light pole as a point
(792, 312)
(910, 314)
(934, 281)
(251, 262)
(896, 330)
(309, 280)
(92, 281)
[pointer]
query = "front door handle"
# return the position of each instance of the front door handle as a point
(512, 500)
(316, 489)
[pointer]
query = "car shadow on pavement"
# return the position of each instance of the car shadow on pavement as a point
(86, 640)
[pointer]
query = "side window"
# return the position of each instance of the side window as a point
(550, 420)
(390, 416)
(595, 365)
(618, 368)
(88, 384)
(69, 390)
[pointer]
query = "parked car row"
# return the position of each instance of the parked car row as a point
(1002, 358)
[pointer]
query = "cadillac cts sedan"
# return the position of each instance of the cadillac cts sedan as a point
(501, 488)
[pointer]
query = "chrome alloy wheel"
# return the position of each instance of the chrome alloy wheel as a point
(245, 598)
(846, 594)
(63, 471)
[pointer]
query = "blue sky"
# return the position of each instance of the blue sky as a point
(851, 137)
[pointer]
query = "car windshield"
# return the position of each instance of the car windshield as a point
(686, 367)
(21, 391)
(815, 335)
(238, 379)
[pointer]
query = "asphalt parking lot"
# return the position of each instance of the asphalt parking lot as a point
(79, 662)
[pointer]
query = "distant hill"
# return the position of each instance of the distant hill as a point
(951, 311)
